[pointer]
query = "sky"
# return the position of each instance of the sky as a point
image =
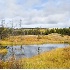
(35, 13)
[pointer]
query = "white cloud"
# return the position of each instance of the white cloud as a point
(51, 13)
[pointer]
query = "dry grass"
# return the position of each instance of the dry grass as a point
(3, 51)
(57, 58)
(33, 39)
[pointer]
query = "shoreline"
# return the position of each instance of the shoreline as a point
(56, 58)
(30, 44)
(33, 39)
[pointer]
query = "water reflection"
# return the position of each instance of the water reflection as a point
(3, 53)
(39, 50)
(3, 47)
(29, 50)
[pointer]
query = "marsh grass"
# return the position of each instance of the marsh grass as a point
(56, 58)
(3, 51)
(33, 39)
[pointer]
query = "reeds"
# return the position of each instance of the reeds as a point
(33, 39)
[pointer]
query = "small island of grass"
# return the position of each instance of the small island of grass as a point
(3, 51)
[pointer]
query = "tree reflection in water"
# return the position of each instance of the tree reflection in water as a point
(2, 55)
(38, 50)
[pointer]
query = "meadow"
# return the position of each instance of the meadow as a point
(35, 39)
(56, 58)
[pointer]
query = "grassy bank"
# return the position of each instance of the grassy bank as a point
(3, 51)
(56, 58)
(34, 39)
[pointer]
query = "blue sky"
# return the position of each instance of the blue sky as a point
(36, 13)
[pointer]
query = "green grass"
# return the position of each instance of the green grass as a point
(56, 58)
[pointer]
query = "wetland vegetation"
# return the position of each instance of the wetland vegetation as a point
(39, 56)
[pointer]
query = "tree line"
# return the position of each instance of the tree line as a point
(6, 32)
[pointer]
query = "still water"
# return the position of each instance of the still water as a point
(29, 50)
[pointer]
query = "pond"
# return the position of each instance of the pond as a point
(29, 50)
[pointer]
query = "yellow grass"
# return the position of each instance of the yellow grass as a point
(57, 58)
(33, 39)
(3, 51)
